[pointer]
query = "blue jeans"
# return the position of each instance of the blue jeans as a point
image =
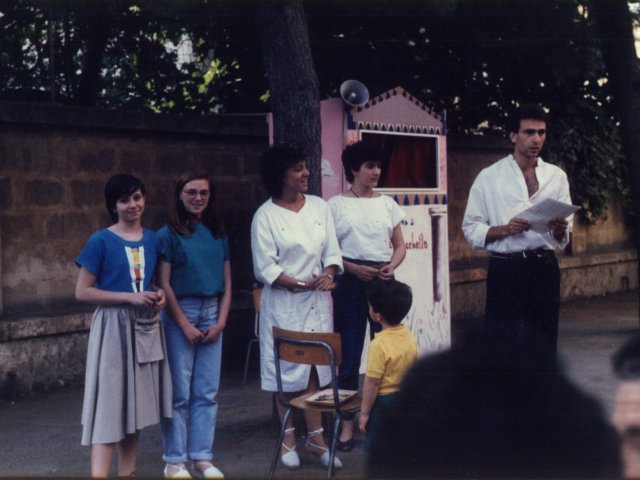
(195, 372)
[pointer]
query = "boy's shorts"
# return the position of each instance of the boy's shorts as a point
(383, 403)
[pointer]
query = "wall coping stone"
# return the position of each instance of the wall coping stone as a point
(479, 142)
(44, 326)
(567, 262)
(232, 124)
(244, 125)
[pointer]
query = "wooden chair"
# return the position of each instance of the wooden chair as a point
(310, 348)
(257, 295)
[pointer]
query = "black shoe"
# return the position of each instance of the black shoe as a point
(345, 446)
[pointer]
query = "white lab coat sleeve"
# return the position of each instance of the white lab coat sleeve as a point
(331, 254)
(264, 250)
(475, 223)
(565, 197)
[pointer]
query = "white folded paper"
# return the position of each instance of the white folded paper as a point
(544, 211)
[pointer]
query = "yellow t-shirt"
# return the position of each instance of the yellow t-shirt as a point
(391, 353)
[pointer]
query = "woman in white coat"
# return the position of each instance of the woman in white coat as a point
(295, 255)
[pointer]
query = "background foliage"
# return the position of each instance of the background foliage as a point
(475, 58)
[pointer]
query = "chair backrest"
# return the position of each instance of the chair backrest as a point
(310, 348)
(257, 295)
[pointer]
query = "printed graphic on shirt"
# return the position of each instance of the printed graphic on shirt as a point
(135, 255)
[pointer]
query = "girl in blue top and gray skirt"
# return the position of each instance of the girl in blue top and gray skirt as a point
(127, 384)
(195, 273)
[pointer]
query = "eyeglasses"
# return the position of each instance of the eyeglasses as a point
(191, 194)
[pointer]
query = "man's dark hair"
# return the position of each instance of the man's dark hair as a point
(390, 298)
(526, 111)
(358, 153)
(120, 186)
(274, 163)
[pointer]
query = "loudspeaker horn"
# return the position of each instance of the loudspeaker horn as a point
(354, 93)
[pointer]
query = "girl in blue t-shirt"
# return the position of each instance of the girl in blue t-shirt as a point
(127, 383)
(195, 273)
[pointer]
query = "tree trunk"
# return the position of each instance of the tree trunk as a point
(293, 84)
(615, 29)
(95, 46)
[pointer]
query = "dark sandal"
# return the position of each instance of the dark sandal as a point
(345, 446)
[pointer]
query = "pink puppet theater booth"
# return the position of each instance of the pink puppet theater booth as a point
(414, 174)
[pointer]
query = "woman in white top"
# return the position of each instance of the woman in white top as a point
(370, 237)
(296, 255)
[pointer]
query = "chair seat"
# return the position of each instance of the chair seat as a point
(309, 348)
(350, 406)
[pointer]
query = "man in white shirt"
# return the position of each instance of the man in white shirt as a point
(523, 280)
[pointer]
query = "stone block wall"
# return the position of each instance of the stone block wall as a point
(465, 158)
(600, 259)
(52, 176)
(55, 160)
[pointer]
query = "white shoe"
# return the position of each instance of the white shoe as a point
(209, 472)
(290, 458)
(325, 455)
(180, 471)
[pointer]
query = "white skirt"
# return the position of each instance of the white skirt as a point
(308, 311)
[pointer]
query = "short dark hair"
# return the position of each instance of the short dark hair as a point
(274, 163)
(390, 298)
(358, 153)
(626, 360)
(119, 186)
(181, 221)
(526, 111)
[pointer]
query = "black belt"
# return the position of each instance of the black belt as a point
(368, 263)
(526, 254)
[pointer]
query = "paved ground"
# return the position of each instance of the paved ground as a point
(39, 436)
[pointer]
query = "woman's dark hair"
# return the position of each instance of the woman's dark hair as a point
(274, 163)
(526, 111)
(184, 223)
(390, 298)
(358, 153)
(120, 186)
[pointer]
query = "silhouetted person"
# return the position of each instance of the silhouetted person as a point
(470, 413)
(626, 416)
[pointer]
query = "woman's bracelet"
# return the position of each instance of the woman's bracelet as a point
(300, 286)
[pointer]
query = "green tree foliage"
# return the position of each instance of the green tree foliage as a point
(476, 59)
(113, 54)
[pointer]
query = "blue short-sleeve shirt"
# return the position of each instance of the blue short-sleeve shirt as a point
(121, 265)
(197, 262)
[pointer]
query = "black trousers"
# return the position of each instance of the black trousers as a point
(522, 309)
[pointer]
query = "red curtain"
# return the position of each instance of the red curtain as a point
(411, 160)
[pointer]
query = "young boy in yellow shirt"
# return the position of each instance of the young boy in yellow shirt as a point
(391, 352)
